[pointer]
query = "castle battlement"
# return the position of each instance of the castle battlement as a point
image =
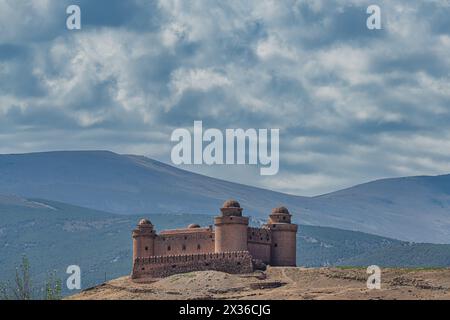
(163, 266)
(232, 246)
(191, 257)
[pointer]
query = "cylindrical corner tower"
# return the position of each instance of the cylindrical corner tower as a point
(231, 228)
(284, 238)
(143, 240)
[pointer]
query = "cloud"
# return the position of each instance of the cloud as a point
(351, 104)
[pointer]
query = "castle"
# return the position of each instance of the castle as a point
(232, 246)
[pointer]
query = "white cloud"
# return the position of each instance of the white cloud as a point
(196, 79)
(351, 105)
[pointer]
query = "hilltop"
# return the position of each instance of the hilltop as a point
(279, 283)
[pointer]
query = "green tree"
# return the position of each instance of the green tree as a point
(22, 288)
(4, 292)
(52, 290)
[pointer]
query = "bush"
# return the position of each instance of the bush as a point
(22, 288)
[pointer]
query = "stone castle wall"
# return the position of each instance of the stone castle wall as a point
(259, 243)
(259, 235)
(231, 233)
(184, 243)
(284, 244)
(163, 266)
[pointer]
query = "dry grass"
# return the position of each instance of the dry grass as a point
(281, 283)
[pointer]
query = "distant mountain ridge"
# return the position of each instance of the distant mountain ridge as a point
(54, 235)
(413, 208)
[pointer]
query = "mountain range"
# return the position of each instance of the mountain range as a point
(54, 235)
(415, 209)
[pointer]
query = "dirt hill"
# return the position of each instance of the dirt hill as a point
(280, 283)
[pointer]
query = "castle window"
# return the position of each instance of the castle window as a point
(143, 269)
(169, 248)
(284, 218)
(184, 247)
(146, 248)
(275, 245)
(185, 238)
(174, 266)
(198, 247)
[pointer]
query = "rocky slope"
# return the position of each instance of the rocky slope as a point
(280, 283)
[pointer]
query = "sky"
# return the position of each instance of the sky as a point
(352, 104)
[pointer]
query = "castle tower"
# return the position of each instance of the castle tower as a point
(143, 240)
(231, 228)
(284, 238)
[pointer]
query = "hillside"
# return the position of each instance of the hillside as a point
(54, 235)
(413, 209)
(402, 255)
(124, 184)
(280, 283)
